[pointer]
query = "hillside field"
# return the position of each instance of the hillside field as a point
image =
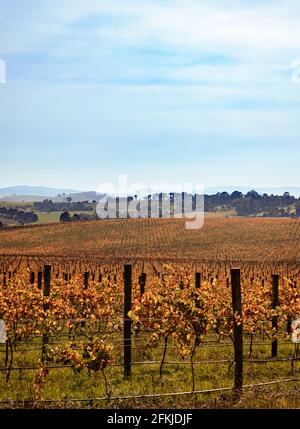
(229, 239)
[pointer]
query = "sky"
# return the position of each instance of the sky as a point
(159, 90)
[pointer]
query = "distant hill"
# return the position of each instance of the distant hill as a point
(19, 194)
(23, 198)
(38, 191)
(80, 196)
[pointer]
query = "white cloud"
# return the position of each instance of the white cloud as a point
(255, 27)
(258, 38)
(231, 27)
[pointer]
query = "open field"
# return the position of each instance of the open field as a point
(230, 239)
(51, 217)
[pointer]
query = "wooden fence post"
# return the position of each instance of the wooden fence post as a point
(47, 280)
(86, 279)
(127, 320)
(31, 277)
(142, 283)
(275, 303)
(46, 293)
(289, 321)
(86, 285)
(237, 329)
(198, 280)
(40, 279)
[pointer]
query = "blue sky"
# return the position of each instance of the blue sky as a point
(166, 90)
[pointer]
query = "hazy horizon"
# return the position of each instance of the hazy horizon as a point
(53, 192)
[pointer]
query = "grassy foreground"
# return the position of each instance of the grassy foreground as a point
(63, 385)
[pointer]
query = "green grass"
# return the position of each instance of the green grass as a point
(222, 213)
(50, 217)
(64, 383)
(43, 218)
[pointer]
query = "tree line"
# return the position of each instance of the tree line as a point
(253, 203)
(50, 206)
(19, 215)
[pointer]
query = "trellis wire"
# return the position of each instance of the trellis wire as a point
(204, 362)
